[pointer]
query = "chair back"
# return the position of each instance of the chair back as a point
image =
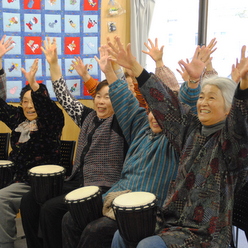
(240, 213)
(4, 145)
(67, 153)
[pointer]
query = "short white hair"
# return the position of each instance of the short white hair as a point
(226, 85)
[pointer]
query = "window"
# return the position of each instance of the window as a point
(175, 24)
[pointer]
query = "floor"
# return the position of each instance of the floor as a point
(21, 242)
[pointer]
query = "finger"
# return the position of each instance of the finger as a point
(179, 71)
(162, 49)
(3, 38)
(97, 59)
(156, 42)
(243, 50)
(143, 51)
(197, 50)
(146, 45)
(151, 43)
(112, 53)
(118, 41)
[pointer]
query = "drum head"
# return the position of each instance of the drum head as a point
(134, 199)
(6, 163)
(82, 193)
(46, 169)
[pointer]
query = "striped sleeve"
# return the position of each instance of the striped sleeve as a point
(189, 96)
(130, 116)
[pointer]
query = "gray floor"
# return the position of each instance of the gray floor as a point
(21, 242)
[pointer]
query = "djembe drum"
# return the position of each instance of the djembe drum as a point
(135, 213)
(85, 205)
(6, 172)
(46, 181)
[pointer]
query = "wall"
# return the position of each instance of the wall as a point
(70, 130)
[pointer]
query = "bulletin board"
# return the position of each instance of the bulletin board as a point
(74, 23)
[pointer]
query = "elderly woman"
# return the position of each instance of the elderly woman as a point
(99, 156)
(36, 128)
(213, 154)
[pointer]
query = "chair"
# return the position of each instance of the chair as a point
(67, 153)
(4, 145)
(240, 213)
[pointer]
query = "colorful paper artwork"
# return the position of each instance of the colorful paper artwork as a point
(74, 23)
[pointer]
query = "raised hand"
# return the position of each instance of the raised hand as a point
(243, 69)
(5, 46)
(30, 76)
(105, 64)
(124, 57)
(81, 68)
(199, 61)
(50, 50)
(155, 52)
(184, 74)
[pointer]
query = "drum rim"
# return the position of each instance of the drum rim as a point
(140, 193)
(60, 172)
(136, 208)
(6, 165)
(86, 198)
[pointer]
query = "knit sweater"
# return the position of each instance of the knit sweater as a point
(43, 147)
(198, 213)
(101, 145)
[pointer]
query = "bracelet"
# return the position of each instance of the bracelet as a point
(194, 81)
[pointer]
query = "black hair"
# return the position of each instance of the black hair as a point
(101, 85)
(24, 90)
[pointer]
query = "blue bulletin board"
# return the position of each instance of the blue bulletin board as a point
(74, 23)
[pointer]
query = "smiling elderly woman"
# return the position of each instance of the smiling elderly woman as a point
(213, 150)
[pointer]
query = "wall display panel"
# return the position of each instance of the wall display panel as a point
(74, 23)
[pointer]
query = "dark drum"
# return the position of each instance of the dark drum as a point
(46, 181)
(6, 172)
(135, 213)
(85, 205)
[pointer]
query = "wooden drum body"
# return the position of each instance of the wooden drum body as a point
(135, 213)
(85, 205)
(6, 172)
(46, 181)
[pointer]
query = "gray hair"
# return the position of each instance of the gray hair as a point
(226, 85)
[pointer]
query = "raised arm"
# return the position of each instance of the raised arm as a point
(74, 108)
(5, 46)
(163, 72)
(50, 51)
(30, 76)
(243, 70)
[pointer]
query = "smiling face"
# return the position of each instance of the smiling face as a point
(211, 106)
(28, 106)
(102, 103)
(153, 123)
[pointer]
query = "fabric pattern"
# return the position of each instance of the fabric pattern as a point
(198, 213)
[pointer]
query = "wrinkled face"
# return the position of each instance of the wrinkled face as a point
(28, 106)
(130, 85)
(102, 103)
(211, 106)
(153, 123)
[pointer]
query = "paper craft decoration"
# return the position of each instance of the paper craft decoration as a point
(74, 23)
